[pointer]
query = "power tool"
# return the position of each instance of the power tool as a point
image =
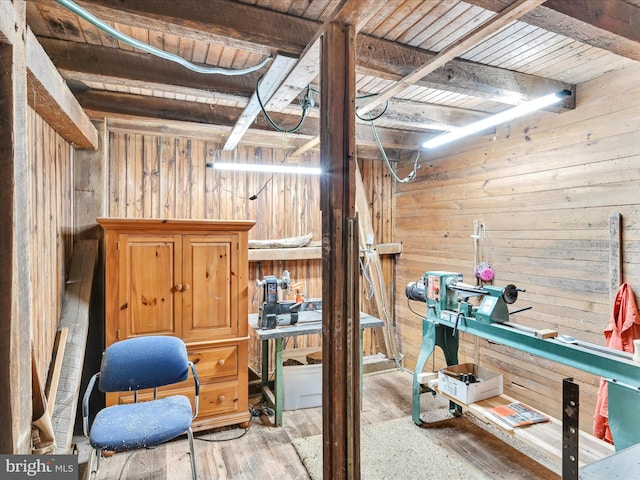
(275, 311)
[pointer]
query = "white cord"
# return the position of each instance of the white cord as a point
(145, 47)
(413, 172)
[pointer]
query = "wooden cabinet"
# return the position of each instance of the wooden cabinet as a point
(186, 278)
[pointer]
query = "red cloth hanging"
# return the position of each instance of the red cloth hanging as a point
(623, 328)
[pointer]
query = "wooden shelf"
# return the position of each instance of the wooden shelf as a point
(310, 253)
(544, 437)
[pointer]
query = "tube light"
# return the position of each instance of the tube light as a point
(497, 119)
(247, 167)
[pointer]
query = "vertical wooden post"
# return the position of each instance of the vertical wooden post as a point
(340, 312)
(15, 215)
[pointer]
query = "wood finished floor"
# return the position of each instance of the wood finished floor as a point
(266, 452)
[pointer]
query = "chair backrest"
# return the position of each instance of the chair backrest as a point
(143, 362)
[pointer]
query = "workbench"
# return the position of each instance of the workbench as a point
(309, 322)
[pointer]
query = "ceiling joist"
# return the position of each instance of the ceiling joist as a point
(611, 25)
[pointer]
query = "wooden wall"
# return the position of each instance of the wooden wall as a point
(51, 165)
(544, 187)
(164, 176)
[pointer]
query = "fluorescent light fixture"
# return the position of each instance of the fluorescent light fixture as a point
(252, 167)
(497, 119)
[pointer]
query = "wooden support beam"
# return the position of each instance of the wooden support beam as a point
(223, 22)
(434, 62)
(393, 61)
(157, 111)
(466, 43)
(380, 58)
(49, 95)
(15, 240)
(306, 147)
(340, 322)
(610, 25)
(219, 23)
(99, 104)
(83, 62)
(387, 60)
(307, 67)
(278, 70)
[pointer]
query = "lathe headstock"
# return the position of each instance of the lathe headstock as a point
(447, 297)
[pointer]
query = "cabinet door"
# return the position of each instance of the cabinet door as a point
(150, 272)
(209, 301)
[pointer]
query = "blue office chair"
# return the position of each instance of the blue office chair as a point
(137, 364)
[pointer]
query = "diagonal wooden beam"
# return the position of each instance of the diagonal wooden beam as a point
(271, 81)
(473, 38)
(307, 67)
(493, 25)
(102, 65)
(52, 99)
(393, 61)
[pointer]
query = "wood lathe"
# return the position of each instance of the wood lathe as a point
(449, 309)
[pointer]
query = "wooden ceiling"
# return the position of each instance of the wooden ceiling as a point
(438, 64)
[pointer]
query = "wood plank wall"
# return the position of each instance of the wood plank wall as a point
(164, 176)
(544, 187)
(51, 164)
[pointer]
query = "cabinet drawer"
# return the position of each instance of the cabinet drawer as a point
(215, 398)
(215, 362)
(219, 398)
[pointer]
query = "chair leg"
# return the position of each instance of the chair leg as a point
(91, 472)
(99, 454)
(194, 472)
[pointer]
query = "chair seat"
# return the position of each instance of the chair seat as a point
(127, 427)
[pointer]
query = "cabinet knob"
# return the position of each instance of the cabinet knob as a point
(221, 398)
(186, 286)
(221, 362)
(178, 287)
